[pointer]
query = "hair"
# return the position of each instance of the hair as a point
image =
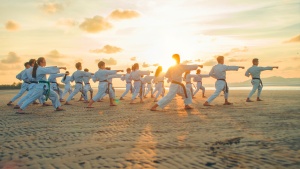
(176, 57)
(31, 61)
(198, 71)
(158, 71)
(254, 60)
(128, 69)
(100, 64)
(135, 66)
(26, 63)
(67, 72)
(37, 63)
(78, 65)
(86, 70)
(186, 73)
(219, 58)
(108, 68)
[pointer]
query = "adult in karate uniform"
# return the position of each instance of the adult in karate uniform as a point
(67, 81)
(128, 81)
(159, 78)
(198, 79)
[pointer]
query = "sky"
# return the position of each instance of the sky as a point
(124, 32)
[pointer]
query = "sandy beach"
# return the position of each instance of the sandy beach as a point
(245, 135)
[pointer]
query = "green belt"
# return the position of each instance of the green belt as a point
(48, 91)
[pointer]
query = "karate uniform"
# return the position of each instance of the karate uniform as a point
(198, 79)
(219, 72)
(148, 84)
(24, 86)
(102, 76)
(87, 86)
(176, 87)
(128, 80)
(137, 85)
(188, 82)
(54, 85)
(41, 88)
(68, 87)
(110, 86)
(77, 76)
(159, 80)
(255, 71)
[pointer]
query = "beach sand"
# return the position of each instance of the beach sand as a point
(245, 135)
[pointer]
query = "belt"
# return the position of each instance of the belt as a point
(53, 82)
(87, 83)
(104, 81)
(33, 82)
(137, 80)
(48, 91)
(199, 81)
(128, 82)
(27, 82)
(183, 87)
(259, 80)
(226, 87)
(79, 82)
(187, 82)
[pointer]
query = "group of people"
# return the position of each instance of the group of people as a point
(40, 88)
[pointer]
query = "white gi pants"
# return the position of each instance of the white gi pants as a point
(67, 89)
(256, 85)
(220, 85)
(199, 86)
(78, 88)
(128, 88)
(24, 88)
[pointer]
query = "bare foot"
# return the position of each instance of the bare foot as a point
(67, 103)
(206, 104)
(248, 100)
(46, 104)
(9, 103)
(35, 102)
(16, 107)
(259, 99)
(59, 109)
(20, 111)
(187, 107)
(155, 100)
(203, 96)
(89, 107)
(61, 100)
(121, 98)
(113, 105)
(228, 103)
(86, 101)
(100, 101)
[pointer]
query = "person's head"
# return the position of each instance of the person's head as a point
(128, 70)
(198, 71)
(255, 61)
(158, 70)
(108, 68)
(135, 67)
(27, 65)
(101, 65)
(32, 62)
(220, 59)
(176, 57)
(67, 72)
(78, 66)
(41, 61)
(86, 70)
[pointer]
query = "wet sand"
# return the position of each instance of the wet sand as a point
(245, 135)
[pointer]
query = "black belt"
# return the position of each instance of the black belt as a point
(128, 82)
(87, 83)
(104, 81)
(33, 82)
(79, 82)
(53, 82)
(259, 80)
(226, 87)
(27, 82)
(183, 87)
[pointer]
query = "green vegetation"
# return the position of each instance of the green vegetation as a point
(12, 86)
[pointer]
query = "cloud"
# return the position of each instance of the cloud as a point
(54, 54)
(296, 58)
(124, 14)
(293, 40)
(198, 60)
(187, 61)
(133, 59)
(107, 49)
(9, 67)
(235, 50)
(110, 61)
(95, 24)
(237, 60)
(11, 58)
(155, 64)
(52, 8)
(210, 62)
(12, 25)
(67, 22)
(295, 68)
(145, 65)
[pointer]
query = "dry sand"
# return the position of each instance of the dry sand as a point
(245, 135)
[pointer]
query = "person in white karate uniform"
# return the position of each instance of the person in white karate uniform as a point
(54, 85)
(110, 85)
(102, 75)
(198, 79)
(28, 75)
(188, 81)
(174, 73)
(137, 85)
(24, 86)
(219, 72)
(87, 85)
(148, 85)
(67, 81)
(128, 81)
(254, 72)
(43, 87)
(159, 78)
(77, 76)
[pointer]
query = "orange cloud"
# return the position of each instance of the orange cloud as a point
(95, 24)
(12, 25)
(133, 59)
(293, 40)
(187, 61)
(11, 58)
(145, 65)
(110, 61)
(107, 49)
(51, 8)
(197, 60)
(54, 54)
(210, 62)
(237, 60)
(155, 64)
(235, 50)
(124, 14)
